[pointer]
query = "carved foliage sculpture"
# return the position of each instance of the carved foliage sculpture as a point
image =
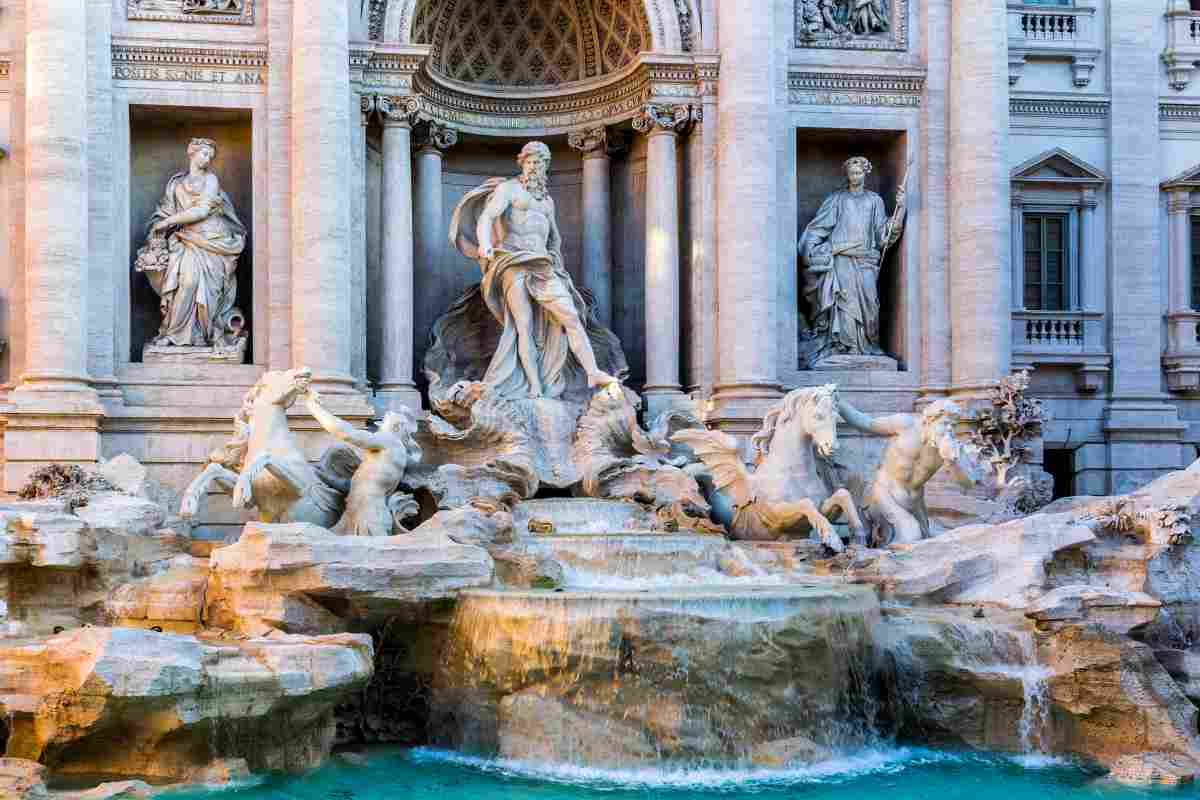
(852, 24)
(1003, 432)
(238, 12)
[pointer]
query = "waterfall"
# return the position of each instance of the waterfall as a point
(1035, 715)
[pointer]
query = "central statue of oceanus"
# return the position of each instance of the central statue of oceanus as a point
(508, 225)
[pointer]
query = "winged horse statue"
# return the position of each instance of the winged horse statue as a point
(264, 467)
(792, 488)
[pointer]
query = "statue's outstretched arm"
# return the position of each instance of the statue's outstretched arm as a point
(881, 426)
(339, 428)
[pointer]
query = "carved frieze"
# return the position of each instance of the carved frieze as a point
(431, 135)
(598, 141)
(852, 24)
(655, 118)
(228, 67)
(844, 89)
(229, 12)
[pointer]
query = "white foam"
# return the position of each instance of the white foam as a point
(840, 768)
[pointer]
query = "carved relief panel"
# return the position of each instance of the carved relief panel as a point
(234, 12)
(852, 24)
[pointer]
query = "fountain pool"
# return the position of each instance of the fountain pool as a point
(892, 773)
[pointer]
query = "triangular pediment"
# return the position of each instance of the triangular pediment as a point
(1058, 166)
(1188, 179)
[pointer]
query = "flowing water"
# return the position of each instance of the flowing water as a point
(894, 774)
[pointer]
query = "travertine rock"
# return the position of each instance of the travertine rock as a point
(1118, 611)
(128, 475)
(59, 567)
(175, 702)
(121, 790)
(482, 522)
(620, 678)
(1184, 667)
(1150, 768)
(304, 579)
(22, 779)
(172, 600)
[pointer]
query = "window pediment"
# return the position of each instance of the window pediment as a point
(1058, 167)
(1188, 179)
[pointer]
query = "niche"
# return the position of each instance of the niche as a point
(158, 144)
(820, 154)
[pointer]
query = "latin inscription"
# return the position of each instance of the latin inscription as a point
(853, 99)
(189, 75)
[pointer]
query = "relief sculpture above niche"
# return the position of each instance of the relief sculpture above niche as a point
(852, 24)
(235, 12)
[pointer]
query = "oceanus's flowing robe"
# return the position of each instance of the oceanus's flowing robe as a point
(548, 283)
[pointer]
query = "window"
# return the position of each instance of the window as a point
(1046, 256)
(1060, 463)
(1195, 263)
(1064, 2)
(1195, 5)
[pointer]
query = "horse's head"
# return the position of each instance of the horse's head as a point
(938, 423)
(803, 412)
(283, 387)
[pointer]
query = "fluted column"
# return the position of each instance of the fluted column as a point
(361, 107)
(321, 242)
(430, 142)
(980, 226)
(1017, 228)
(1089, 271)
(396, 387)
(662, 125)
(56, 197)
(597, 149)
(748, 260)
(1179, 248)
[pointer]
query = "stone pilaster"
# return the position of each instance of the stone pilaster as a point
(322, 273)
(933, 207)
(1018, 243)
(1090, 269)
(396, 386)
(597, 147)
(662, 125)
(1142, 429)
(360, 108)
(55, 412)
(102, 216)
(980, 283)
(747, 215)
(1179, 249)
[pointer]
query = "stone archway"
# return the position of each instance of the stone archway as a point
(667, 28)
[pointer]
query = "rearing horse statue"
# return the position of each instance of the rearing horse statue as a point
(792, 488)
(264, 467)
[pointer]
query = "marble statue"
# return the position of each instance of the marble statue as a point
(830, 19)
(191, 257)
(841, 251)
(265, 467)
(792, 489)
(509, 227)
(919, 446)
(374, 507)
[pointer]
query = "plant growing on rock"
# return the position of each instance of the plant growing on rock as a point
(1002, 432)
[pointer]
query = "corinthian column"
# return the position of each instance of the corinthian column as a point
(747, 216)
(597, 150)
(662, 125)
(980, 277)
(56, 196)
(321, 242)
(54, 413)
(396, 387)
(430, 142)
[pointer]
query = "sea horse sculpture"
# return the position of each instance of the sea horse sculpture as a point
(792, 488)
(264, 467)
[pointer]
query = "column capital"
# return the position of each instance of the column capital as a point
(1017, 198)
(400, 110)
(654, 119)
(598, 142)
(1088, 197)
(366, 105)
(433, 136)
(1179, 201)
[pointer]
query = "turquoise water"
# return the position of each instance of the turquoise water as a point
(888, 774)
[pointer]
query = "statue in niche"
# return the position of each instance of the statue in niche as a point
(841, 252)
(190, 259)
(509, 227)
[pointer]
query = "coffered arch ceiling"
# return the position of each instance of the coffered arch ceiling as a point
(530, 42)
(533, 42)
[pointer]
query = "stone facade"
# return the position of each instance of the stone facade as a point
(1053, 203)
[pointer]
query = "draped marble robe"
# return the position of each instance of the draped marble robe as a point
(198, 289)
(840, 250)
(548, 282)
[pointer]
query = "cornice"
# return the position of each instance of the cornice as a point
(1187, 112)
(235, 58)
(903, 89)
(1095, 108)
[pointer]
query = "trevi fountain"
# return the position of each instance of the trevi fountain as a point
(567, 399)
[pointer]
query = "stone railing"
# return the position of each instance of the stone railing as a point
(1062, 338)
(1057, 33)
(1183, 43)
(1182, 359)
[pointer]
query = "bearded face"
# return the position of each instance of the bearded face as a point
(535, 171)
